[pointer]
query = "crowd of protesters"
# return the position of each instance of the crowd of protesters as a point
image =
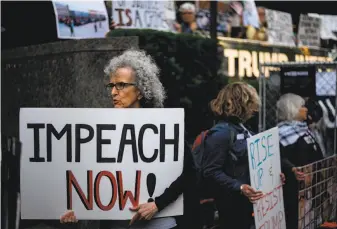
(134, 83)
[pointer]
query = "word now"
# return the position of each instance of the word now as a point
(67, 131)
(258, 155)
(93, 190)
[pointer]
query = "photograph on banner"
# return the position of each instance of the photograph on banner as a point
(81, 20)
(265, 170)
(280, 28)
(157, 15)
(309, 29)
(100, 167)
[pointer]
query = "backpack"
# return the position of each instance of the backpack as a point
(198, 156)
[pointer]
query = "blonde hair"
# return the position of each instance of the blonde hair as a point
(236, 99)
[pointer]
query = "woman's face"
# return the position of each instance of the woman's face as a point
(188, 16)
(302, 114)
(124, 92)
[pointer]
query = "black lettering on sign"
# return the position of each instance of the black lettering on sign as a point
(79, 140)
(58, 135)
(164, 142)
(100, 142)
(125, 141)
(36, 128)
(138, 18)
(140, 143)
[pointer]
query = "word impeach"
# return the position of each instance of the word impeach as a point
(99, 167)
(137, 149)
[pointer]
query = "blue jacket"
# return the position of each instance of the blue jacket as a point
(225, 161)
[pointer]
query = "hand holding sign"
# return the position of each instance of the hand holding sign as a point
(251, 193)
(144, 211)
(68, 217)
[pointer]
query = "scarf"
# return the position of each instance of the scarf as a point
(291, 131)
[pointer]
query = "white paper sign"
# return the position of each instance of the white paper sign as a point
(98, 162)
(328, 25)
(143, 14)
(80, 19)
(280, 28)
(309, 31)
(265, 170)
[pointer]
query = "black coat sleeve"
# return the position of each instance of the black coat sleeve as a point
(177, 187)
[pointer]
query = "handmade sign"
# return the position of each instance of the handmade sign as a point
(98, 162)
(309, 31)
(265, 170)
(280, 28)
(143, 14)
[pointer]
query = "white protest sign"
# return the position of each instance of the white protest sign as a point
(143, 14)
(265, 170)
(280, 28)
(98, 162)
(328, 26)
(309, 31)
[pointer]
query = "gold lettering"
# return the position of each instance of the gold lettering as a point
(255, 64)
(245, 63)
(231, 54)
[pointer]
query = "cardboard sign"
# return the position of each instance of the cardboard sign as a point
(265, 170)
(98, 162)
(309, 31)
(280, 28)
(298, 80)
(143, 14)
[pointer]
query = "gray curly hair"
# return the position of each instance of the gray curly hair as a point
(288, 106)
(146, 72)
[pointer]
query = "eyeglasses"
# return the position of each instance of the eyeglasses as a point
(119, 85)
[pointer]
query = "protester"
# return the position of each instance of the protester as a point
(298, 148)
(187, 13)
(229, 178)
(134, 83)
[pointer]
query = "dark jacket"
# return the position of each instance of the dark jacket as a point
(226, 173)
(304, 151)
(184, 184)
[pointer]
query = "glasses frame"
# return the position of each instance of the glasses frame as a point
(119, 86)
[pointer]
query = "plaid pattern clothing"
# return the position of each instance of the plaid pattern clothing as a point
(291, 131)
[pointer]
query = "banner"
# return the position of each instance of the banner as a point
(309, 31)
(280, 28)
(242, 58)
(298, 80)
(80, 20)
(143, 14)
(98, 162)
(265, 170)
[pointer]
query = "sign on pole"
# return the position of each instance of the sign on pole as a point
(98, 162)
(309, 30)
(265, 170)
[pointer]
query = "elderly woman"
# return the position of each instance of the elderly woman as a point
(134, 83)
(187, 13)
(298, 148)
(226, 167)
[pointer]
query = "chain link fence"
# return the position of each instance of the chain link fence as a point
(317, 200)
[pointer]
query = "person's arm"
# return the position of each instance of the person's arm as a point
(176, 188)
(215, 154)
(285, 162)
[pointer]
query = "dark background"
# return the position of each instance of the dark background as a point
(33, 22)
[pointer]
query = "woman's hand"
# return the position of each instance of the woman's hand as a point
(68, 217)
(251, 193)
(144, 211)
(298, 174)
(283, 178)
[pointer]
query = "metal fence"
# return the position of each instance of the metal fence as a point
(318, 192)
